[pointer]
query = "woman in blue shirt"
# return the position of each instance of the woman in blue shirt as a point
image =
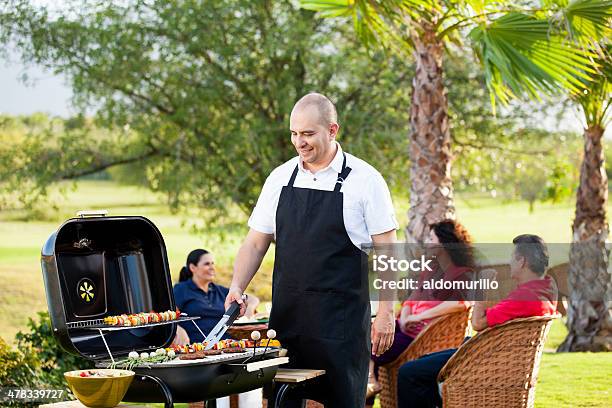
(197, 295)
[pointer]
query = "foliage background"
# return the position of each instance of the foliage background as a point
(193, 98)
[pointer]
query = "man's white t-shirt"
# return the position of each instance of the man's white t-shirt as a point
(368, 209)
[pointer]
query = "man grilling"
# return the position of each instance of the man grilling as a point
(320, 207)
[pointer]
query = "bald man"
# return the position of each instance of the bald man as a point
(320, 208)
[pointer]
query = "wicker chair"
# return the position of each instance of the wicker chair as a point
(445, 332)
(498, 367)
(559, 274)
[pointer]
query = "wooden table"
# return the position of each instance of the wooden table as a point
(296, 375)
(289, 378)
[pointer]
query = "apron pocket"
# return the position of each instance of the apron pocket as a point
(285, 312)
(324, 315)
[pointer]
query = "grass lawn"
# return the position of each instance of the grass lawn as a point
(575, 380)
(567, 380)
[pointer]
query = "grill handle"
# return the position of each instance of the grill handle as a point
(92, 213)
(233, 311)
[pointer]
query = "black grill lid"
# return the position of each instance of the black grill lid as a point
(100, 266)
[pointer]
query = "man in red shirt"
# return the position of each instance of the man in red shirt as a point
(535, 295)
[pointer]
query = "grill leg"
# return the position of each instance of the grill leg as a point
(169, 403)
(282, 390)
(277, 398)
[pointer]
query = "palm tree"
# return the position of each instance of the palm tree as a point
(519, 54)
(590, 302)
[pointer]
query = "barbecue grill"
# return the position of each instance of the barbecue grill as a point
(96, 266)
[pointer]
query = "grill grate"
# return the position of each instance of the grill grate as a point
(98, 324)
(261, 353)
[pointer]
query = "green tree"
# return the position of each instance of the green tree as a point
(193, 130)
(54, 149)
(513, 41)
(485, 147)
(201, 90)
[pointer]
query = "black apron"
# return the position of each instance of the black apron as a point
(320, 303)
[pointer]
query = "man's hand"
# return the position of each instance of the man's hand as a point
(181, 338)
(406, 321)
(383, 331)
(479, 316)
(383, 328)
(235, 294)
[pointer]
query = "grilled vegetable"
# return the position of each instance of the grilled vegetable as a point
(142, 318)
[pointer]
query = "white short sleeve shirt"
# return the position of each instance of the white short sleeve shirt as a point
(368, 209)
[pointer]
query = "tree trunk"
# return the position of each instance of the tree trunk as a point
(589, 315)
(431, 189)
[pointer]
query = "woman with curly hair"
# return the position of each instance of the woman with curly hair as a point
(449, 244)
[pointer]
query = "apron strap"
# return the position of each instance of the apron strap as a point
(293, 175)
(342, 175)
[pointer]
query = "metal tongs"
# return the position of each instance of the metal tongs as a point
(226, 321)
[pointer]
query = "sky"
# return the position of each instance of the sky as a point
(44, 91)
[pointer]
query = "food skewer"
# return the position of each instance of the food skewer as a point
(255, 336)
(142, 318)
(270, 334)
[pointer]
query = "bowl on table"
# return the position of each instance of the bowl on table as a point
(99, 388)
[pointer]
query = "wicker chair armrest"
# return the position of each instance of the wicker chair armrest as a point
(487, 346)
(434, 337)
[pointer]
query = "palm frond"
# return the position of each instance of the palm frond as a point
(379, 21)
(330, 8)
(522, 57)
(588, 21)
(596, 94)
